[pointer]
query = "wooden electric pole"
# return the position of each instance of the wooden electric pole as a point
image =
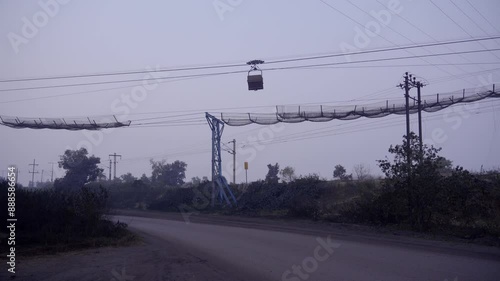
(52, 172)
(419, 85)
(114, 162)
(32, 184)
(406, 87)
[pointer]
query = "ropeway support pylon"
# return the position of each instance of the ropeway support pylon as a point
(220, 187)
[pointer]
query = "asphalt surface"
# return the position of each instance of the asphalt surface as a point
(260, 254)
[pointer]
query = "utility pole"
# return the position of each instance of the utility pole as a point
(52, 172)
(406, 87)
(32, 184)
(233, 152)
(41, 177)
(419, 85)
(110, 165)
(114, 157)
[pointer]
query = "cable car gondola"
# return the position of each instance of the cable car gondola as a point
(255, 79)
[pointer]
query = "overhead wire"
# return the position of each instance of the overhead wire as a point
(332, 132)
(471, 19)
(91, 91)
(428, 35)
(216, 66)
(271, 62)
(385, 59)
(202, 111)
(481, 14)
(359, 128)
(459, 26)
(382, 37)
(122, 81)
(409, 39)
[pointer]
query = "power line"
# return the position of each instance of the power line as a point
(126, 87)
(122, 81)
(123, 73)
(471, 19)
(180, 122)
(371, 51)
(198, 121)
(355, 129)
(91, 91)
(449, 17)
(183, 121)
(175, 121)
(427, 34)
(168, 116)
(218, 66)
(385, 59)
(409, 65)
(481, 14)
(346, 128)
(460, 26)
(163, 125)
(387, 40)
(300, 136)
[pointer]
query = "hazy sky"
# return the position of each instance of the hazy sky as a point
(48, 38)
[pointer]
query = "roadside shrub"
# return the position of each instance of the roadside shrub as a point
(172, 198)
(261, 195)
(303, 197)
(133, 195)
(47, 216)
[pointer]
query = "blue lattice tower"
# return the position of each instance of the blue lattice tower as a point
(220, 188)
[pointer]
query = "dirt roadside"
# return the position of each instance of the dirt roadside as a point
(152, 259)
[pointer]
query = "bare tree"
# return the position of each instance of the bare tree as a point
(362, 171)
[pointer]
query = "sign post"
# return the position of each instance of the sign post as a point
(246, 173)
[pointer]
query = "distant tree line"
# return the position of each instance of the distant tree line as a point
(427, 194)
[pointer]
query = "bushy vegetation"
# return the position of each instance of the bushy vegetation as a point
(66, 219)
(298, 198)
(428, 195)
(424, 194)
(69, 214)
(461, 204)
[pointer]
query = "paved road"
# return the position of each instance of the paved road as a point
(276, 255)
